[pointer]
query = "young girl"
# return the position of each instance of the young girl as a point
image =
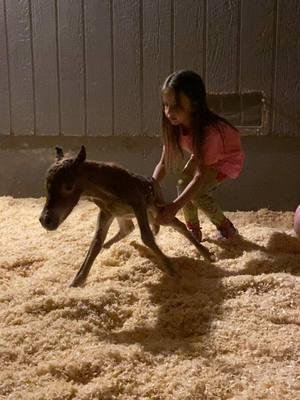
(214, 149)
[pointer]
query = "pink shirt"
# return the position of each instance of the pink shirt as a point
(221, 149)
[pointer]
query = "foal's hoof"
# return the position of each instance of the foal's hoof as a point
(207, 254)
(74, 284)
(171, 271)
(210, 256)
(77, 282)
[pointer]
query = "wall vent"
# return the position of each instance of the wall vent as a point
(246, 110)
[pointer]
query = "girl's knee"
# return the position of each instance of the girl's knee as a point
(181, 184)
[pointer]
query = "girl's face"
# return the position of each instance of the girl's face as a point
(178, 113)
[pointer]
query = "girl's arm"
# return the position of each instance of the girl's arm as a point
(188, 193)
(170, 210)
(160, 169)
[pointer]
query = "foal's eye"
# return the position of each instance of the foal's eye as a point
(171, 107)
(67, 188)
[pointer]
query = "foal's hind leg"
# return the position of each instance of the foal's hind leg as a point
(126, 226)
(149, 241)
(181, 228)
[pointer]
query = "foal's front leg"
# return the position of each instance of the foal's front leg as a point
(103, 223)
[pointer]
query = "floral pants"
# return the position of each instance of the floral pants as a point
(203, 199)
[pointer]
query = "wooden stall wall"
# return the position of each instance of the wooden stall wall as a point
(94, 67)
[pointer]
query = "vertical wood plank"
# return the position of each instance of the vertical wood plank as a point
(189, 33)
(157, 55)
(222, 45)
(4, 75)
(127, 67)
(45, 67)
(99, 67)
(287, 73)
(20, 67)
(256, 56)
(71, 67)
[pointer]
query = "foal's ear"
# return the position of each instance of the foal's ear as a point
(59, 153)
(81, 156)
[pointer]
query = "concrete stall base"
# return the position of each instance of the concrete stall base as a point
(270, 178)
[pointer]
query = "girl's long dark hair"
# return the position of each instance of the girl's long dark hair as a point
(190, 84)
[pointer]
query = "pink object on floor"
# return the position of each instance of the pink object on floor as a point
(297, 221)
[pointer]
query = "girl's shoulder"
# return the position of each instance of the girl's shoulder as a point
(221, 128)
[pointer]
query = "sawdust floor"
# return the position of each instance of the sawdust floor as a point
(229, 330)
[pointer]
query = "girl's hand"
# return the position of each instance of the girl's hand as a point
(166, 214)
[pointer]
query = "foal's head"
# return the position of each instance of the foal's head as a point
(63, 188)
